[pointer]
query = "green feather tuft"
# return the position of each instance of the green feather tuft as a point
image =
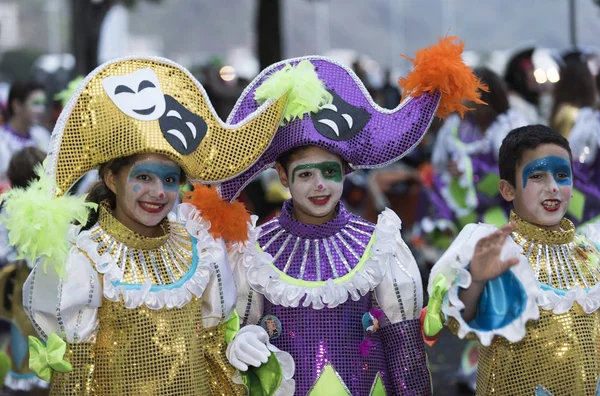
(65, 95)
(38, 224)
(307, 93)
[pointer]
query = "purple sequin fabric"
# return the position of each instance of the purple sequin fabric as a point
(406, 359)
(316, 252)
(587, 181)
(387, 135)
(317, 337)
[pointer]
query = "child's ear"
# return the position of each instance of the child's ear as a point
(506, 190)
(283, 177)
(110, 181)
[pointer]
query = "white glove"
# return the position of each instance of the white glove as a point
(249, 348)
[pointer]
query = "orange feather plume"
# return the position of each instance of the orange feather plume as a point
(441, 68)
(228, 220)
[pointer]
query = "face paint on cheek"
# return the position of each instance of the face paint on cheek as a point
(137, 188)
(558, 167)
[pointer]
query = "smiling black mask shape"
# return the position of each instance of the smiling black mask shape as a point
(340, 120)
(183, 129)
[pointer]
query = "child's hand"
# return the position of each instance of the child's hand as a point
(486, 263)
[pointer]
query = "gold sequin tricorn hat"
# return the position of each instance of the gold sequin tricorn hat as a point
(153, 105)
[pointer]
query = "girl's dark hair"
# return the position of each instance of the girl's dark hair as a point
(496, 98)
(100, 192)
(576, 87)
(21, 168)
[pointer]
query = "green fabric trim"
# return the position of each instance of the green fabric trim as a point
(434, 320)
(576, 205)
(329, 384)
(495, 216)
(232, 326)
(5, 365)
(489, 185)
(298, 282)
(264, 380)
(378, 388)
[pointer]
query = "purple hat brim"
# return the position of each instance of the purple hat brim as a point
(387, 136)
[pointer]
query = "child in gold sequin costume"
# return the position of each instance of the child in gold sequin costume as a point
(529, 290)
(141, 301)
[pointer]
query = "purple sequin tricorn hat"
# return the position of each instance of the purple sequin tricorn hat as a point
(354, 127)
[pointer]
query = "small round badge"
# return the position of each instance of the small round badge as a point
(272, 325)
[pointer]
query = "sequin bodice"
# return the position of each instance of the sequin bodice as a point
(147, 352)
(561, 352)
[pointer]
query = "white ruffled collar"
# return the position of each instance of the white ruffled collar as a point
(167, 274)
(281, 289)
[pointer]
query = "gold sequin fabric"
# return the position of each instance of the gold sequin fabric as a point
(162, 260)
(93, 130)
(150, 352)
(556, 257)
(79, 381)
(219, 369)
(143, 351)
(559, 352)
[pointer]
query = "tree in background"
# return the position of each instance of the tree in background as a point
(87, 18)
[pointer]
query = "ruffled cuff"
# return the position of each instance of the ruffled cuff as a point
(407, 370)
(507, 303)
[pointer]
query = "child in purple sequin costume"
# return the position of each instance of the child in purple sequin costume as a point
(345, 294)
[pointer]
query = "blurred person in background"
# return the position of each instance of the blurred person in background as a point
(575, 91)
(465, 166)
(523, 90)
(20, 380)
(584, 139)
(25, 110)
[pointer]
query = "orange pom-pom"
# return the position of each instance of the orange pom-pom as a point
(441, 68)
(228, 220)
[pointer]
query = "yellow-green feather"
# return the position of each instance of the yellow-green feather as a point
(307, 93)
(38, 224)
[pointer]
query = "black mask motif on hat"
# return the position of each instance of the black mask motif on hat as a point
(340, 120)
(183, 129)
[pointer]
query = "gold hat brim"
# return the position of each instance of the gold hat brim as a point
(92, 130)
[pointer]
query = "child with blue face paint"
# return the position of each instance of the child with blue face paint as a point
(136, 299)
(528, 291)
